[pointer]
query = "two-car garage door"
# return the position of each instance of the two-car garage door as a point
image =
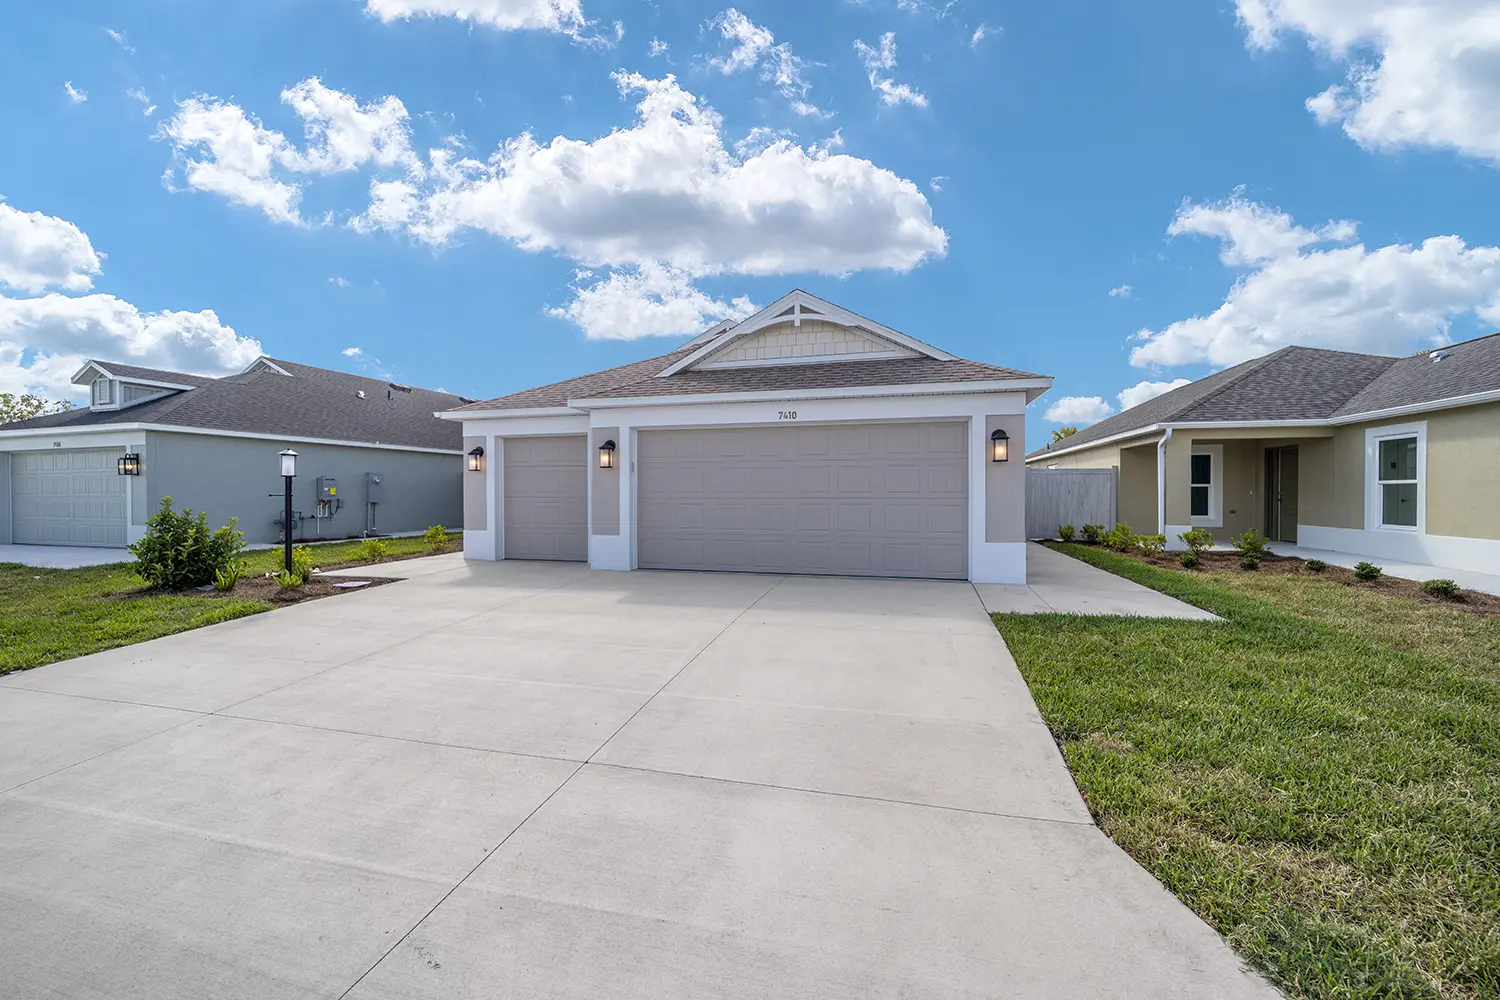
(67, 497)
(849, 499)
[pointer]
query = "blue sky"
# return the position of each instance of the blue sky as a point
(188, 184)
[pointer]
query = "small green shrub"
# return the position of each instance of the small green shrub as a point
(1152, 544)
(302, 564)
(1196, 540)
(1066, 532)
(373, 550)
(1093, 533)
(1316, 565)
(1446, 589)
(1120, 537)
(1251, 543)
(226, 578)
(436, 538)
(1189, 559)
(289, 580)
(179, 550)
(1250, 561)
(1367, 571)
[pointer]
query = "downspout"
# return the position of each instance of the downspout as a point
(1161, 482)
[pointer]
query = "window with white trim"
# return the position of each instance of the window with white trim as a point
(1399, 482)
(102, 392)
(1206, 486)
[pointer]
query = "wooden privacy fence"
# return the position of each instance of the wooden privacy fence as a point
(1068, 496)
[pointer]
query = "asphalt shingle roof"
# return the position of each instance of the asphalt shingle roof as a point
(639, 379)
(1306, 383)
(311, 403)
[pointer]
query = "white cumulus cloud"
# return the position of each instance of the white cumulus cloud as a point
(1078, 410)
(564, 16)
(352, 352)
(1419, 72)
(650, 300)
(40, 251)
(223, 150)
(1293, 289)
(879, 62)
(74, 94)
(668, 190)
(1137, 394)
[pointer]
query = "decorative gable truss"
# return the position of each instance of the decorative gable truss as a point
(800, 329)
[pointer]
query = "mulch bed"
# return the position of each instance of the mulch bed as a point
(265, 588)
(1471, 601)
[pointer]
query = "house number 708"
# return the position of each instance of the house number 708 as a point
(786, 414)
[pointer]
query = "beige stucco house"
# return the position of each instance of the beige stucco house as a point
(1390, 458)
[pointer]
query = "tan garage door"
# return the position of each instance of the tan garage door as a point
(546, 498)
(849, 499)
(67, 497)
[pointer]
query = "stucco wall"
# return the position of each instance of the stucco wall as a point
(476, 499)
(234, 477)
(1005, 482)
(1136, 497)
(1331, 478)
(1463, 472)
(1089, 458)
(4, 498)
(605, 489)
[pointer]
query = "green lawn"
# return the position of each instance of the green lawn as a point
(54, 614)
(1318, 777)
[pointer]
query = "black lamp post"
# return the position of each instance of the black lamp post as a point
(288, 473)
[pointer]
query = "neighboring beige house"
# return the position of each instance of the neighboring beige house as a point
(1390, 458)
(803, 439)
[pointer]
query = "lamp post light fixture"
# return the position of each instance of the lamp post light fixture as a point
(476, 460)
(128, 464)
(999, 446)
(288, 473)
(607, 455)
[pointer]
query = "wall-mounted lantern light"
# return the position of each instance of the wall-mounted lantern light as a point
(999, 446)
(128, 465)
(289, 463)
(476, 460)
(607, 455)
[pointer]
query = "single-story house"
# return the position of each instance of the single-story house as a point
(802, 439)
(1390, 458)
(371, 457)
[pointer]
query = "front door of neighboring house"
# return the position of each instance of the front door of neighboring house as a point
(1281, 494)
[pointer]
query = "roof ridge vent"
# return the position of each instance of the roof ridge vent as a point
(1438, 356)
(399, 387)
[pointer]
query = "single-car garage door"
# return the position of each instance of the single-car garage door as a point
(850, 499)
(546, 498)
(67, 498)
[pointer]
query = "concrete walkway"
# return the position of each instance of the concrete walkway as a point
(1486, 583)
(62, 556)
(1061, 584)
(532, 780)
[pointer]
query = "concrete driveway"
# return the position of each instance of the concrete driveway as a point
(531, 780)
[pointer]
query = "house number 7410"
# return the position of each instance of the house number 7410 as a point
(786, 414)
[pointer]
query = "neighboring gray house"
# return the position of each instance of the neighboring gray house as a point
(372, 458)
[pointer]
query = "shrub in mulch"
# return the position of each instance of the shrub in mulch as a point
(265, 588)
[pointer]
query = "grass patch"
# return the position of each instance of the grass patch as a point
(1318, 776)
(48, 615)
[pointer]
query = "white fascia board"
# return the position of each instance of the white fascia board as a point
(263, 360)
(86, 366)
(55, 432)
(1146, 431)
(535, 411)
(1199, 425)
(1451, 403)
(157, 385)
(849, 392)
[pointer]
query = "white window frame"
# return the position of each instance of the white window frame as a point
(1215, 518)
(109, 392)
(1374, 509)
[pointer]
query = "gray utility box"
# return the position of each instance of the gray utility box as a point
(374, 488)
(328, 488)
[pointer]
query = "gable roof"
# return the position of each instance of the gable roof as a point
(675, 374)
(1307, 384)
(135, 373)
(311, 403)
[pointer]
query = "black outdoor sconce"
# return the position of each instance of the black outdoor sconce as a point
(128, 464)
(607, 455)
(476, 460)
(999, 446)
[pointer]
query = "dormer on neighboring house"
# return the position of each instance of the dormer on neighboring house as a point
(117, 387)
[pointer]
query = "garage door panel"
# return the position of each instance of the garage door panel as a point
(68, 497)
(546, 498)
(873, 499)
